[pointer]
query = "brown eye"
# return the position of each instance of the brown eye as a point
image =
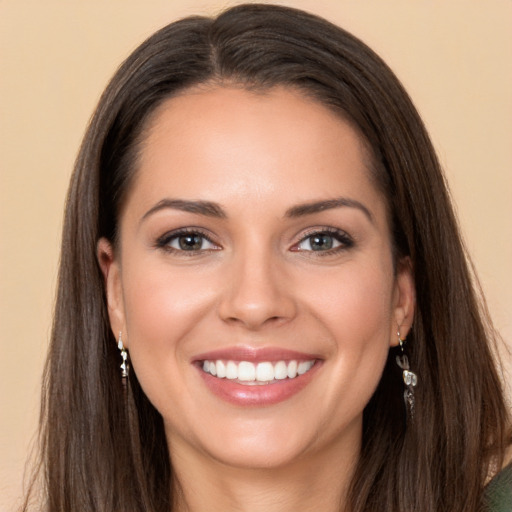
(190, 242)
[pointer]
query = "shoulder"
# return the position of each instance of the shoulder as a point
(498, 492)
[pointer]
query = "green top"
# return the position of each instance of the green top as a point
(498, 493)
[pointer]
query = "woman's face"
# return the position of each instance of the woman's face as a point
(254, 280)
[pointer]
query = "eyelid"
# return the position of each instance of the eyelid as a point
(163, 241)
(345, 240)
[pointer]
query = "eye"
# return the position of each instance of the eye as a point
(324, 241)
(186, 241)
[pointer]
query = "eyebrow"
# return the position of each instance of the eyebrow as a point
(206, 208)
(301, 210)
(211, 209)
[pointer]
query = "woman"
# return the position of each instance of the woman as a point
(264, 302)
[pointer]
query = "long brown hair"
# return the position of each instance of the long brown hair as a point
(103, 447)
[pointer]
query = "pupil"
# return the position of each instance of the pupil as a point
(190, 242)
(321, 242)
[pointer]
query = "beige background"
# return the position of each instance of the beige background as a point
(454, 57)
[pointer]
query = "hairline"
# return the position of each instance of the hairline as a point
(370, 161)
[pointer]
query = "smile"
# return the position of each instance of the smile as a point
(262, 373)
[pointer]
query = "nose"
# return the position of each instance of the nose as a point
(257, 292)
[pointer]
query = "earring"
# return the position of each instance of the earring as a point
(124, 355)
(410, 378)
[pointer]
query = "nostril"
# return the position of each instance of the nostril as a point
(255, 296)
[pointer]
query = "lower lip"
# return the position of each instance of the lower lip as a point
(257, 395)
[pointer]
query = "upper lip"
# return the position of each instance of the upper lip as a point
(252, 354)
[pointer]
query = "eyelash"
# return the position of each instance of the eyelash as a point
(346, 242)
(165, 240)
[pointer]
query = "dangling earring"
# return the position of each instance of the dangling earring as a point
(124, 355)
(410, 378)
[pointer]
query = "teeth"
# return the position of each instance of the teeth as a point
(245, 371)
(231, 370)
(264, 372)
(280, 370)
(303, 367)
(292, 369)
(221, 369)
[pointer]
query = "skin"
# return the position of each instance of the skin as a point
(257, 284)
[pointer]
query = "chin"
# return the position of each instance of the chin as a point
(259, 452)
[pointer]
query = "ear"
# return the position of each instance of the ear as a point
(111, 270)
(404, 301)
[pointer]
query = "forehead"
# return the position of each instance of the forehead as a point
(229, 143)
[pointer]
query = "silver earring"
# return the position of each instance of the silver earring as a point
(124, 355)
(410, 378)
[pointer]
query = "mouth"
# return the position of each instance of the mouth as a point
(256, 377)
(248, 373)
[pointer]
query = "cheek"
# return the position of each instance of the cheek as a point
(163, 303)
(163, 310)
(356, 301)
(357, 311)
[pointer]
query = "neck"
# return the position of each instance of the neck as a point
(312, 483)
